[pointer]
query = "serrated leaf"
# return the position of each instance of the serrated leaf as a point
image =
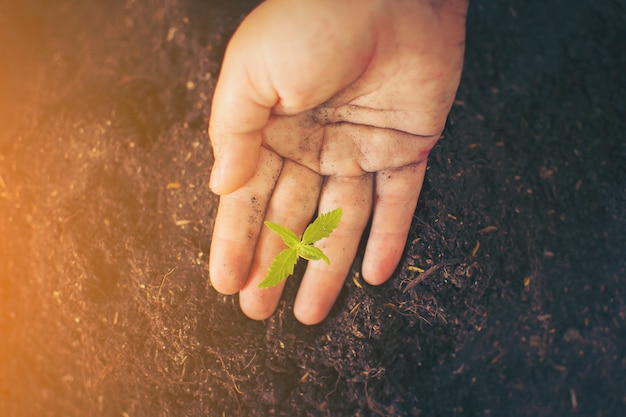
(283, 265)
(281, 268)
(311, 253)
(322, 227)
(289, 237)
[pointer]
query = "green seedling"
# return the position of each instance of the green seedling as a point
(299, 247)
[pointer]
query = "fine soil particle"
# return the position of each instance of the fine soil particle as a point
(509, 300)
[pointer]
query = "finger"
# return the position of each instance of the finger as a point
(292, 205)
(241, 107)
(396, 193)
(237, 225)
(235, 161)
(322, 283)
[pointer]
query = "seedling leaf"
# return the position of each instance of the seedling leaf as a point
(311, 253)
(287, 235)
(281, 268)
(322, 227)
(284, 263)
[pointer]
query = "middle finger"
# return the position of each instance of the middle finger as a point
(292, 205)
(322, 283)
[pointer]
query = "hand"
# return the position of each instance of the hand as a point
(322, 105)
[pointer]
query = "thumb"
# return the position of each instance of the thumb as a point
(241, 108)
(236, 159)
(235, 130)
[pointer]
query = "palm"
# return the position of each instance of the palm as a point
(324, 141)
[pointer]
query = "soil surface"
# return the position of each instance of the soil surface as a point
(509, 301)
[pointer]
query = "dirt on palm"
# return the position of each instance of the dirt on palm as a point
(509, 300)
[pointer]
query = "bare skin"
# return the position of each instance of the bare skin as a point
(325, 104)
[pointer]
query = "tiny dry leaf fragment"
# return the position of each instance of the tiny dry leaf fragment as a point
(173, 186)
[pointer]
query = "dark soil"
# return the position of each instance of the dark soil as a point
(105, 306)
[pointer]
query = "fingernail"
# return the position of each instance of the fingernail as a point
(214, 182)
